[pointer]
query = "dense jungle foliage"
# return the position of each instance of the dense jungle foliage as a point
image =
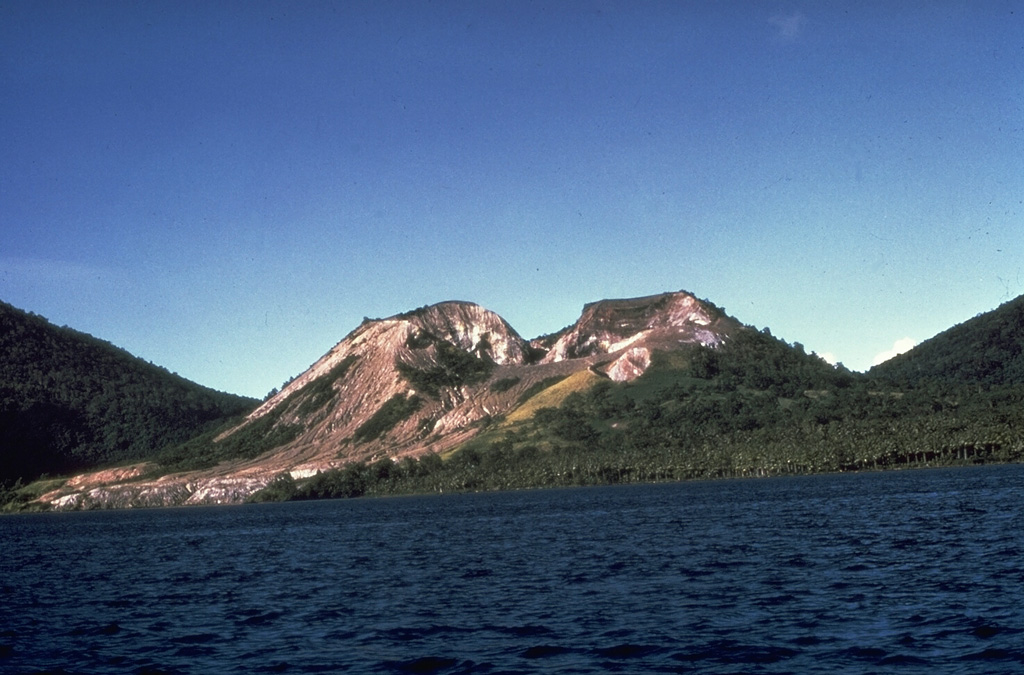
(987, 350)
(754, 407)
(71, 401)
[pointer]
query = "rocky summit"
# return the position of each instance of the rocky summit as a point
(420, 382)
(631, 329)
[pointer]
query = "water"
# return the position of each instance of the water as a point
(917, 571)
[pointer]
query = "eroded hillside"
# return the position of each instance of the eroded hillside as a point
(418, 383)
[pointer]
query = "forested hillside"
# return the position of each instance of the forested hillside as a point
(69, 401)
(986, 350)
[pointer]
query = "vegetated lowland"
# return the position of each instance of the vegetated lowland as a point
(70, 402)
(756, 406)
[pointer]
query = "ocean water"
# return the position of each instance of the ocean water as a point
(914, 571)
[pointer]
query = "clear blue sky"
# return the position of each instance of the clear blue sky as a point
(227, 188)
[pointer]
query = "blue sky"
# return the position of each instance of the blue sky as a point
(227, 188)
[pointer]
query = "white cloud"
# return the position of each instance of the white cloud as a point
(898, 347)
(788, 26)
(829, 358)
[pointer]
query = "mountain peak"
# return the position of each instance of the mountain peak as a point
(469, 327)
(428, 381)
(610, 326)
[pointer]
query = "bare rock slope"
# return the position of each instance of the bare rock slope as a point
(633, 328)
(416, 383)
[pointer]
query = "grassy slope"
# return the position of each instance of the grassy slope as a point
(552, 396)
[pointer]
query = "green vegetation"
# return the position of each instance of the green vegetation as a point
(69, 401)
(538, 387)
(395, 410)
(755, 406)
(407, 476)
(249, 441)
(320, 391)
(454, 368)
(17, 496)
(987, 350)
(281, 489)
(282, 425)
(504, 384)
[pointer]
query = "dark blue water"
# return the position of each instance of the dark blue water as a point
(912, 571)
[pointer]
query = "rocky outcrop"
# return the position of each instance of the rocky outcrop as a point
(167, 491)
(421, 367)
(407, 338)
(632, 328)
(633, 363)
(471, 328)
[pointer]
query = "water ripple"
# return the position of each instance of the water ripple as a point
(916, 571)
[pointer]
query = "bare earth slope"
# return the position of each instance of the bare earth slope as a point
(416, 383)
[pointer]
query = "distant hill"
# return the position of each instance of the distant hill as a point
(986, 350)
(70, 402)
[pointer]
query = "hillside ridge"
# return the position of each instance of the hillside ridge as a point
(69, 400)
(417, 383)
(662, 386)
(987, 350)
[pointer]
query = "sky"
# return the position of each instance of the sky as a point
(227, 189)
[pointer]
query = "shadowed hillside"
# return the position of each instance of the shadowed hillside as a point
(69, 401)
